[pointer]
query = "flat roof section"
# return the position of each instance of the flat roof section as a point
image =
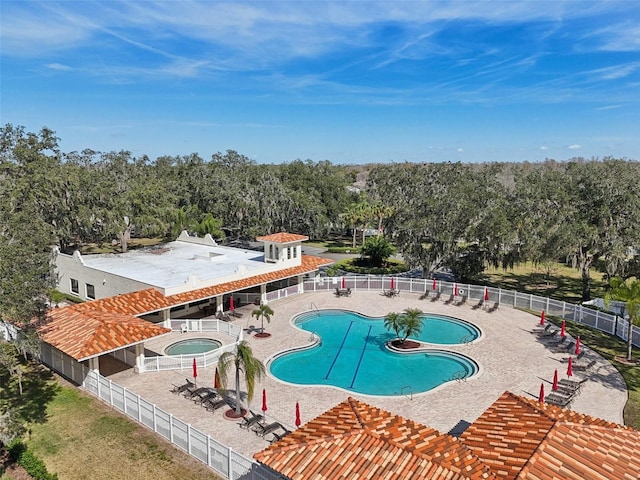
(171, 264)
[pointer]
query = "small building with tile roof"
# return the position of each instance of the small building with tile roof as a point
(131, 296)
(514, 439)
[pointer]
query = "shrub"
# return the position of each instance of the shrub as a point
(35, 467)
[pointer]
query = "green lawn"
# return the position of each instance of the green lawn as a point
(79, 437)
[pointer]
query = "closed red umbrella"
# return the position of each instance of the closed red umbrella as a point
(486, 294)
(555, 381)
(541, 396)
(570, 367)
(195, 369)
(434, 287)
(542, 318)
(298, 422)
(563, 333)
(393, 283)
(578, 346)
(343, 284)
(231, 303)
(455, 289)
(216, 379)
(264, 400)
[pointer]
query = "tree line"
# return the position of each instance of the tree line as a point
(464, 216)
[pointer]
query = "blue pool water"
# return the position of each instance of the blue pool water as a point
(352, 355)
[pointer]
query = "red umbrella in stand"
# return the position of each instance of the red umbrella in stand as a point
(231, 303)
(264, 400)
(343, 285)
(216, 379)
(434, 287)
(555, 381)
(486, 294)
(570, 367)
(562, 329)
(578, 346)
(455, 289)
(541, 397)
(195, 369)
(298, 422)
(393, 283)
(542, 318)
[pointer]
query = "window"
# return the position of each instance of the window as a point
(270, 251)
(295, 252)
(75, 288)
(91, 291)
(288, 253)
(277, 253)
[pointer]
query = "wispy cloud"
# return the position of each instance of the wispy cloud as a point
(575, 146)
(59, 66)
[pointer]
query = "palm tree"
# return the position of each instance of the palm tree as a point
(262, 312)
(627, 291)
(411, 322)
(393, 321)
(243, 361)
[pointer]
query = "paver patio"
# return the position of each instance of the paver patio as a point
(510, 355)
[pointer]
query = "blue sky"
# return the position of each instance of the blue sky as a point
(349, 82)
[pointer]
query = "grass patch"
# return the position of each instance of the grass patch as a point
(80, 437)
(560, 282)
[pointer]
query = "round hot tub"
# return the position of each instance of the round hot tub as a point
(192, 345)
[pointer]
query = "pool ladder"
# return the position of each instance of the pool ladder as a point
(402, 390)
(314, 308)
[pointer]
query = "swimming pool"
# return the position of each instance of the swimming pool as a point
(191, 346)
(352, 355)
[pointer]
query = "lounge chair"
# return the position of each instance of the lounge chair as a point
(182, 388)
(574, 384)
(184, 328)
(584, 367)
(565, 347)
(550, 335)
(248, 422)
(558, 400)
(201, 396)
(212, 405)
(262, 430)
(220, 315)
(195, 392)
(548, 332)
(279, 436)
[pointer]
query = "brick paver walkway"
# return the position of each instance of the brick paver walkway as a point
(510, 355)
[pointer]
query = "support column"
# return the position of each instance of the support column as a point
(300, 283)
(263, 293)
(139, 352)
(94, 364)
(166, 318)
(220, 303)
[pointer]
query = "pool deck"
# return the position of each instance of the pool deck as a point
(510, 355)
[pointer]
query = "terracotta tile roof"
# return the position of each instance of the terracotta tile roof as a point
(282, 237)
(82, 335)
(150, 300)
(356, 440)
(577, 452)
(515, 430)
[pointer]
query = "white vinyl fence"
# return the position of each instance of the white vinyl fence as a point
(179, 362)
(226, 462)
